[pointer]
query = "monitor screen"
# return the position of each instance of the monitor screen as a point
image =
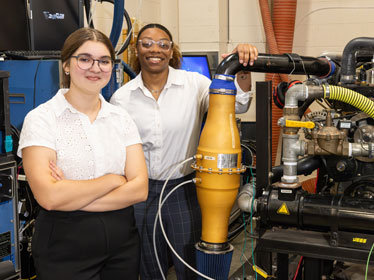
(14, 29)
(53, 21)
(196, 63)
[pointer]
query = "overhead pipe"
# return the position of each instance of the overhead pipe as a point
(277, 63)
(348, 70)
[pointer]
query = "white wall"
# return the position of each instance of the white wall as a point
(328, 25)
(219, 25)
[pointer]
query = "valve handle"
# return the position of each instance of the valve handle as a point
(307, 124)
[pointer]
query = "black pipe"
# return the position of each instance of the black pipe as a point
(305, 166)
(348, 69)
(318, 212)
(305, 106)
(87, 6)
(276, 63)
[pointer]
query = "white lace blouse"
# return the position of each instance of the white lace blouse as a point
(84, 150)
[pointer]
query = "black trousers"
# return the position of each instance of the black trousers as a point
(83, 245)
(182, 222)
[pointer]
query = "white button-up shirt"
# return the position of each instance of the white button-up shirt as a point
(170, 127)
(84, 150)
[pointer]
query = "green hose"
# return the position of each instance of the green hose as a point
(351, 97)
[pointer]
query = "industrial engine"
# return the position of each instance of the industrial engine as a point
(334, 220)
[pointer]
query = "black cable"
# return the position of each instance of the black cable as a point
(231, 235)
(128, 39)
(87, 4)
(87, 7)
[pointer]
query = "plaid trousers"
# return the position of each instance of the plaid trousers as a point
(181, 218)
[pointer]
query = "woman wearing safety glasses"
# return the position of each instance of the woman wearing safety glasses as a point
(168, 106)
(84, 162)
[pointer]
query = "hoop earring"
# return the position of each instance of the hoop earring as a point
(67, 73)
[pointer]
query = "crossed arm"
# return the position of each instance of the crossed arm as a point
(106, 193)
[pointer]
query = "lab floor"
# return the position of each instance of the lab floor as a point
(242, 258)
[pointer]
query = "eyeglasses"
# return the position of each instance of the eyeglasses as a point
(85, 62)
(163, 44)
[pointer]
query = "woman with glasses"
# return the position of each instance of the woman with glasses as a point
(85, 165)
(168, 106)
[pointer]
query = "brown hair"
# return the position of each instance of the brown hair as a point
(175, 61)
(77, 39)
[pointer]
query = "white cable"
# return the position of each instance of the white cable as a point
(251, 166)
(92, 12)
(159, 207)
(169, 244)
(26, 226)
(155, 223)
(162, 226)
(127, 38)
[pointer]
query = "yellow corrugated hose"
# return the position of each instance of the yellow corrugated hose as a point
(350, 97)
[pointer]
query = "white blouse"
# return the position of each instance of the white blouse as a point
(84, 150)
(170, 127)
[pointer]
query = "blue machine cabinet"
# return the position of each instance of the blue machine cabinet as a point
(9, 222)
(24, 84)
(31, 83)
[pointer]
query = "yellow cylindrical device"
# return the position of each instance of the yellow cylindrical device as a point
(218, 165)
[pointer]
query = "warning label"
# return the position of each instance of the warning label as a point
(283, 209)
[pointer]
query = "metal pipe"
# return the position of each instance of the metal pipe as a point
(305, 166)
(245, 199)
(361, 149)
(302, 92)
(292, 148)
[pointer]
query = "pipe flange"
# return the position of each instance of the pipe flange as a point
(222, 91)
(327, 91)
(214, 248)
(224, 77)
(285, 185)
(347, 78)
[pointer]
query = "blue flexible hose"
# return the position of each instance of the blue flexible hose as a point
(119, 9)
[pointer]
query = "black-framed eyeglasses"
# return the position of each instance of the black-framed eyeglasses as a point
(148, 43)
(85, 62)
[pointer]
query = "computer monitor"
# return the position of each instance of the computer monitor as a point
(14, 29)
(196, 63)
(53, 21)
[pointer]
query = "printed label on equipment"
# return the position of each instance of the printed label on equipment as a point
(227, 161)
(359, 240)
(209, 158)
